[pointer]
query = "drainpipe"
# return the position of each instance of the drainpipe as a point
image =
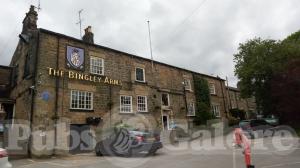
(33, 93)
(56, 95)
(225, 107)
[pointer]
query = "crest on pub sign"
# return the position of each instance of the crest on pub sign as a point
(75, 58)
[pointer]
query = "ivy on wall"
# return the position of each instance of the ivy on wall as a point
(203, 110)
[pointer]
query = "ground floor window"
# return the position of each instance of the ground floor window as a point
(191, 109)
(126, 104)
(142, 104)
(81, 100)
(215, 110)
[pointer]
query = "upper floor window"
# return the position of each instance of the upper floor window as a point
(187, 84)
(212, 88)
(125, 104)
(81, 100)
(140, 74)
(142, 104)
(191, 109)
(215, 110)
(97, 65)
(165, 99)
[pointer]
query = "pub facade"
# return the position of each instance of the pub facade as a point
(60, 79)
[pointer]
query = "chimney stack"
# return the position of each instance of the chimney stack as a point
(30, 21)
(88, 35)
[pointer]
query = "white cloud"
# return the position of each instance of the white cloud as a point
(204, 42)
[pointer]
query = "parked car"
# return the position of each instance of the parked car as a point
(4, 159)
(272, 120)
(256, 128)
(127, 143)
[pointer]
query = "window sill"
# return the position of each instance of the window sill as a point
(81, 110)
(94, 74)
(141, 82)
(126, 113)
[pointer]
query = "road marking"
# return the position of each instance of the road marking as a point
(281, 165)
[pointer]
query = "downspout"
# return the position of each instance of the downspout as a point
(33, 93)
(56, 96)
(225, 107)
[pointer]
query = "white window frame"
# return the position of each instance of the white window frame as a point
(92, 71)
(144, 76)
(168, 96)
(187, 84)
(216, 110)
(194, 110)
(126, 112)
(212, 90)
(146, 104)
(84, 103)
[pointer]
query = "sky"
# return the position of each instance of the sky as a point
(199, 35)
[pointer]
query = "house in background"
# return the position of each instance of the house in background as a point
(237, 102)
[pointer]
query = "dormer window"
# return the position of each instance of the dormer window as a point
(140, 74)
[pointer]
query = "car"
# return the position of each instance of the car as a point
(4, 159)
(272, 120)
(256, 128)
(127, 143)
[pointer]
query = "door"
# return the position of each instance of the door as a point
(81, 139)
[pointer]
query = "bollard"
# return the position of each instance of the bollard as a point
(238, 137)
(247, 151)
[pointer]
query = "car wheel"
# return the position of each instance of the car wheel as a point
(152, 152)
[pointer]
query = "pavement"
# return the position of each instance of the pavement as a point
(271, 152)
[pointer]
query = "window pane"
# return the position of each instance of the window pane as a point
(81, 100)
(139, 74)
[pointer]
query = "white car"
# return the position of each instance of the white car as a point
(4, 159)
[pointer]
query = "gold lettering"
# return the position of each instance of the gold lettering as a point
(94, 78)
(86, 77)
(116, 82)
(106, 80)
(61, 73)
(111, 81)
(71, 74)
(56, 72)
(80, 76)
(99, 79)
(50, 71)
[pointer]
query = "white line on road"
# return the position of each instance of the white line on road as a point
(281, 165)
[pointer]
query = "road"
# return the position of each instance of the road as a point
(266, 153)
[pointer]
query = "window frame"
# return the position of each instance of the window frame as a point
(214, 110)
(214, 89)
(146, 104)
(92, 66)
(85, 100)
(126, 112)
(194, 110)
(168, 96)
(189, 88)
(144, 75)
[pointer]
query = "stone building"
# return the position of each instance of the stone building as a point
(237, 102)
(74, 83)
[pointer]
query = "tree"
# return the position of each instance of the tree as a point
(203, 112)
(254, 69)
(269, 70)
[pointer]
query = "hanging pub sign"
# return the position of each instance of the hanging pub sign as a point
(75, 58)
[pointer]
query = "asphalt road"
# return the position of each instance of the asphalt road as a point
(266, 153)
